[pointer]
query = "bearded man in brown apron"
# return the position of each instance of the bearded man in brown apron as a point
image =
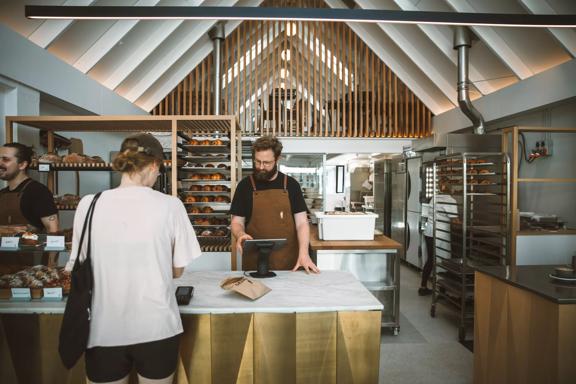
(24, 202)
(269, 205)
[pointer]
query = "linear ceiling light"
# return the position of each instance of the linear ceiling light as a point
(302, 14)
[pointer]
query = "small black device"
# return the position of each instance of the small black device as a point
(184, 295)
(264, 247)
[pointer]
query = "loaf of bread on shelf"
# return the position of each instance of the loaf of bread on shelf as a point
(194, 210)
(193, 142)
(206, 142)
(472, 171)
(73, 158)
(207, 210)
(209, 165)
(206, 232)
(221, 199)
(207, 188)
(196, 176)
(195, 188)
(217, 142)
(216, 176)
(191, 199)
(484, 171)
(206, 199)
(220, 232)
(201, 221)
(222, 165)
(67, 199)
(485, 181)
(94, 160)
(218, 188)
(49, 158)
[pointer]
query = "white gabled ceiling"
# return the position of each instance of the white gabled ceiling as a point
(144, 60)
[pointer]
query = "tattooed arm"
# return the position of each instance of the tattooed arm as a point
(51, 223)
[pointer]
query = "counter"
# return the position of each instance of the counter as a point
(375, 263)
(533, 278)
(525, 326)
(309, 328)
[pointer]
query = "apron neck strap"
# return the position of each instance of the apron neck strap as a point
(254, 183)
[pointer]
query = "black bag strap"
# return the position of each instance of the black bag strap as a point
(87, 225)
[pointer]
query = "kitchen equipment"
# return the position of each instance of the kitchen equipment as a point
(382, 194)
(398, 203)
(346, 225)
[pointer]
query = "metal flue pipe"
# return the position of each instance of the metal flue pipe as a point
(462, 43)
(217, 35)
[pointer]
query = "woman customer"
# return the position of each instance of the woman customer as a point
(141, 240)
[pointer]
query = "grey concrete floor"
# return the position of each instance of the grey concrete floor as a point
(426, 350)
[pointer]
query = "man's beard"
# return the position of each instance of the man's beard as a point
(7, 176)
(265, 175)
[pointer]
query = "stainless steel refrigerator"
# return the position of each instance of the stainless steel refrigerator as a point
(382, 195)
(398, 203)
(413, 242)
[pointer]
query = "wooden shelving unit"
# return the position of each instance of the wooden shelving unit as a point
(510, 139)
(178, 126)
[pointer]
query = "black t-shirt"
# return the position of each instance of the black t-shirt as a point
(242, 202)
(36, 201)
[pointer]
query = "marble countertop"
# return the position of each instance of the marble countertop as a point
(534, 278)
(291, 292)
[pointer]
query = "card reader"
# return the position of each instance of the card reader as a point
(184, 295)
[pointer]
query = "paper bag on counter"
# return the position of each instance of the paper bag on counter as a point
(246, 287)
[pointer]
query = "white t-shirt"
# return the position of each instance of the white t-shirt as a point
(446, 209)
(138, 235)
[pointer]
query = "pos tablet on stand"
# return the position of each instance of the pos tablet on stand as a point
(264, 247)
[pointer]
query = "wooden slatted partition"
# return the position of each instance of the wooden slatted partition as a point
(334, 85)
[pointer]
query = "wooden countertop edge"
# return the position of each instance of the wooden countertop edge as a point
(379, 242)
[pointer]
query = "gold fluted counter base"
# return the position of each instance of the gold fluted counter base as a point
(259, 348)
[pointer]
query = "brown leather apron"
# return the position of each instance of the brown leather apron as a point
(272, 218)
(10, 213)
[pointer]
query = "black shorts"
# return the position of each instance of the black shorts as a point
(152, 360)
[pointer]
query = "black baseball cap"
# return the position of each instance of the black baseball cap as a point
(147, 144)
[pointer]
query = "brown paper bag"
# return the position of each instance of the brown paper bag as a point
(246, 287)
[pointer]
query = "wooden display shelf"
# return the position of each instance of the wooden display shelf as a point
(510, 139)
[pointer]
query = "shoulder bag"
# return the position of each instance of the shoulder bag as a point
(76, 321)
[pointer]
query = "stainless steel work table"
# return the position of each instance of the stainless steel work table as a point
(375, 263)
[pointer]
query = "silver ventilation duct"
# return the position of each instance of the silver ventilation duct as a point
(462, 43)
(217, 35)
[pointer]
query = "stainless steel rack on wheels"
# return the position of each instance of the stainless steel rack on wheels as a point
(471, 210)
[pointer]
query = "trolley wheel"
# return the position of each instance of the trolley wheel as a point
(396, 331)
(433, 311)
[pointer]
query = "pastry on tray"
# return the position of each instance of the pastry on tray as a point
(49, 158)
(221, 199)
(194, 210)
(195, 188)
(74, 158)
(207, 210)
(207, 188)
(190, 199)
